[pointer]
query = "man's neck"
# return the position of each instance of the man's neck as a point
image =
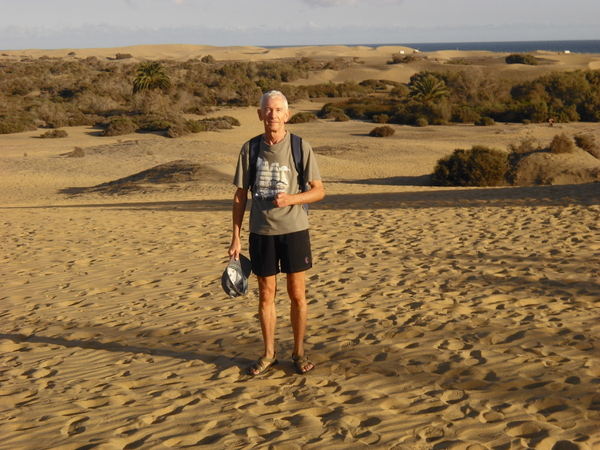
(274, 138)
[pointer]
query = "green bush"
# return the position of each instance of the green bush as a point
(119, 126)
(421, 122)
(303, 117)
(383, 131)
(520, 58)
(562, 144)
(480, 166)
(53, 134)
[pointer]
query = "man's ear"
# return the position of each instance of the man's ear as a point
(287, 115)
(259, 111)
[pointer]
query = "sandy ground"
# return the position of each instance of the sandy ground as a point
(439, 318)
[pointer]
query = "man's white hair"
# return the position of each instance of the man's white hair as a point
(273, 94)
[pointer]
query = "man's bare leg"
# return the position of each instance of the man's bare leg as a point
(267, 287)
(296, 288)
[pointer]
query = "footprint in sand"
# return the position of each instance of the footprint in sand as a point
(74, 426)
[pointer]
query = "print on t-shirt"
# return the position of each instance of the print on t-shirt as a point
(270, 179)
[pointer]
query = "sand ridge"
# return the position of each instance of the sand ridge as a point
(458, 318)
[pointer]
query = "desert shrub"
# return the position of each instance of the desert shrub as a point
(123, 56)
(303, 117)
(400, 91)
(480, 166)
(465, 114)
(178, 130)
(332, 112)
(383, 131)
(520, 58)
(8, 127)
(208, 59)
(421, 122)
(120, 125)
(485, 122)
(230, 120)
(196, 126)
(77, 152)
(588, 143)
(561, 143)
(525, 146)
(399, 58)
(381, 118)
(53, 134)
(157, 125)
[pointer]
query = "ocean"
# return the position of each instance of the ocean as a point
(587, 46)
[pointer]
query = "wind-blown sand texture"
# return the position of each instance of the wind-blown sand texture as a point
(439, 318)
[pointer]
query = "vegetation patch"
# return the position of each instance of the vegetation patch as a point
(520, 58)
(53, 134)
(384, 131)
(479, 166)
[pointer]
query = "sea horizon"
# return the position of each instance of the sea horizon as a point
(562, 46)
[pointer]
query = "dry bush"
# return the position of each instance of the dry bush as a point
(92, 103)
(119, 126)
(53, 134)
(53, 114)
(383, 131)
(179, 130)
(588, 143)
(562, 144)
(153, 102)
(77, 152)
(421, 122)
(303, 117)
(526, 146)
(15, 126)
(484, 122)
(381, 118)
(399, 58)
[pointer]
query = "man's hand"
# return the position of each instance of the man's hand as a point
(282, 199)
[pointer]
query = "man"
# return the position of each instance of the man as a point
(279, 239)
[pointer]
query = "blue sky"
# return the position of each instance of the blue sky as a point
(52, 24)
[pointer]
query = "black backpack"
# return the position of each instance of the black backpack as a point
(296, 154)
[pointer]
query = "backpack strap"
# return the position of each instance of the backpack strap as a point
(254, 148)
(299, 163)
(298, 160)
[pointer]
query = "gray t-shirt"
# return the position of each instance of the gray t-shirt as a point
(275, 173)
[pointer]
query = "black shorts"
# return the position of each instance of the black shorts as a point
(288, 252)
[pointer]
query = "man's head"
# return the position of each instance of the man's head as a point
(274, 112)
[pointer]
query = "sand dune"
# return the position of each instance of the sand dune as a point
(440, 318)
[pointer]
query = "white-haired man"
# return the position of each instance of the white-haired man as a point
(279, 239)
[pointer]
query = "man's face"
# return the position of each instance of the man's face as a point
(274, 114)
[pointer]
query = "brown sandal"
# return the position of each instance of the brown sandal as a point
(263, 365)
(302, 361)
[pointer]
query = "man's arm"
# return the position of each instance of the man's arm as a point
(239, 208)
(315, 194)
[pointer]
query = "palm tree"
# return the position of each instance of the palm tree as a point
(428, 89)
(151, 75)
